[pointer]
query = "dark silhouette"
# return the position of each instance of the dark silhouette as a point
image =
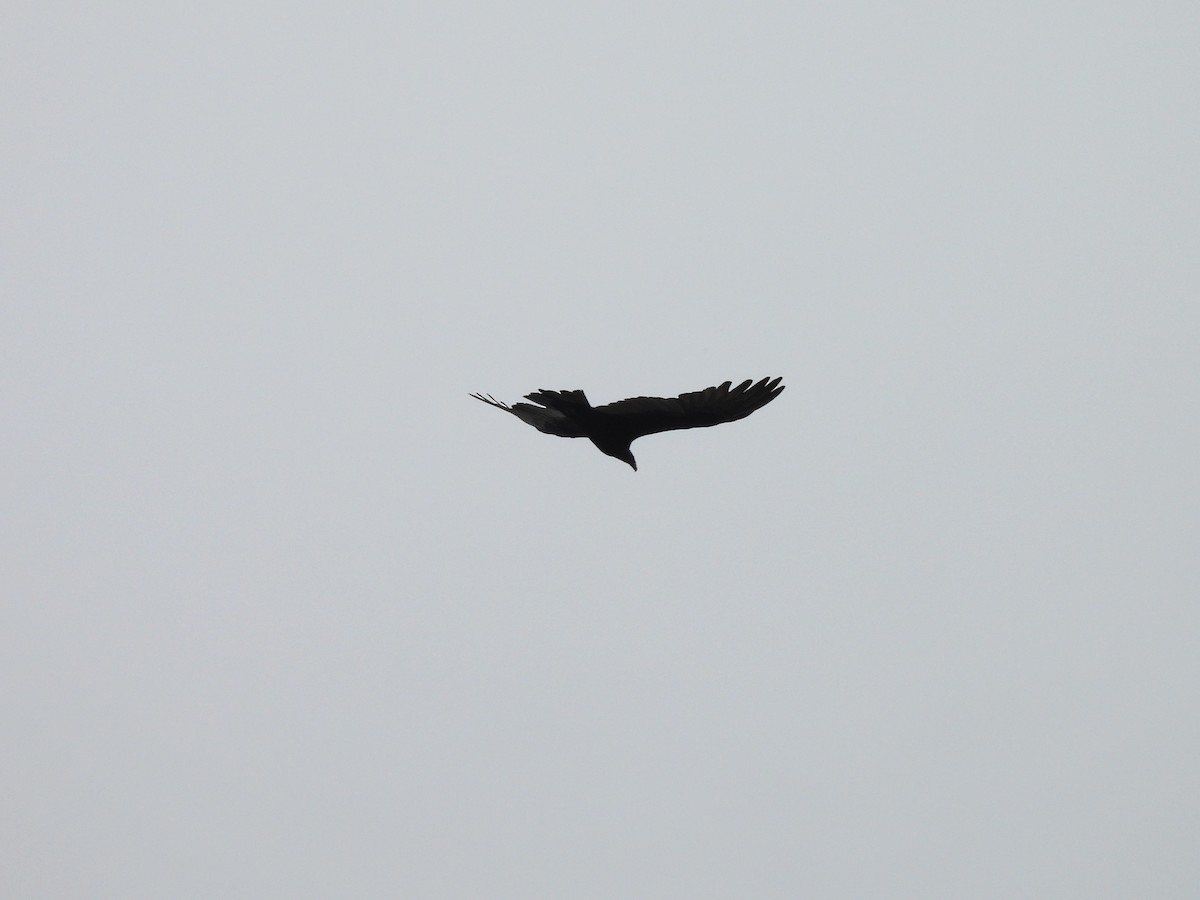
(614, 426)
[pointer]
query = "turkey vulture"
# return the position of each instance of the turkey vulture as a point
(614, 426)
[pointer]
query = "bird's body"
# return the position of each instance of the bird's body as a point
(614, 426)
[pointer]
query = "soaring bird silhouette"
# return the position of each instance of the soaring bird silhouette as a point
(614, 426)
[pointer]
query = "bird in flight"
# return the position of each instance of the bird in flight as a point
(614, 426)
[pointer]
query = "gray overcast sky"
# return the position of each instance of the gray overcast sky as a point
(287, 614)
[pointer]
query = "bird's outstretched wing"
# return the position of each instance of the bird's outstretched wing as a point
(569, 403)
(640, 416)
(545, 420)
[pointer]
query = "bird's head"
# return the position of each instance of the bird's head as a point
(626, 455)
(616, 447)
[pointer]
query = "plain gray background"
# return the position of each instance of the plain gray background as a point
(287, 614)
